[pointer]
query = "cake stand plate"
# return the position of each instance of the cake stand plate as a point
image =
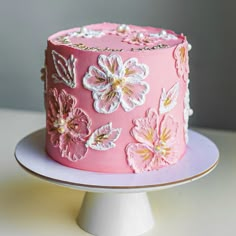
(117, 204)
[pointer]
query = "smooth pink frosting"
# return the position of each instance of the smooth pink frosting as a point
(162, 74)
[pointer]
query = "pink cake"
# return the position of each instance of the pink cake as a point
(116, 98)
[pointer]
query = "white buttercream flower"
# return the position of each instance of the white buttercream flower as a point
(117, 83)
(87, 33)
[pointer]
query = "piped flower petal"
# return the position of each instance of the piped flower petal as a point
(112, 65)
(95, 79)
(182, 61)
(71, 148)
(168, 99)
(145, 130)
(103, 138)
(166, 146)
(135, 70)
(134, 95)
(78, 124)
(107, 101)
(139, 157)
(66, 102)
(54, 137)
(168, 129)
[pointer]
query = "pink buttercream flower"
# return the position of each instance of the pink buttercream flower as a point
(68, 126)
(156, 145)
(140, 38)
(181, 57)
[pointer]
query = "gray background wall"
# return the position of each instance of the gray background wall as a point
(209, 25)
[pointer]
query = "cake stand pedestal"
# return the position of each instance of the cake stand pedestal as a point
(117, 204)
(107, 214)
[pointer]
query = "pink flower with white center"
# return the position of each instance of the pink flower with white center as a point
(68, 126)
(182, 61)
(140, 38)
(156, 144)
(117, 83)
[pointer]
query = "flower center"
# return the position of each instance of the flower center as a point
(100, 138)
(162, 149)
(60, 125)
(117, 83)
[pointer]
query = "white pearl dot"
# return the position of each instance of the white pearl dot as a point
(61, 121)
(140, 36)
(190, 112)
(119, 28)
(122, 28)
(126, 28)
(189, 46)
(163, 33)
(83, 29)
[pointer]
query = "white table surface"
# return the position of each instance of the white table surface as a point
(31, 206)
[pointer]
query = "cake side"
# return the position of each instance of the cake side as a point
(112, 110)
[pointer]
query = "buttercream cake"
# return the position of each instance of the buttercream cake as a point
(116, 98)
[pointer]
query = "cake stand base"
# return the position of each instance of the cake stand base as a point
(130, 213)
(117, 204)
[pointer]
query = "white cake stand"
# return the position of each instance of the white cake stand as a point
(117, 204)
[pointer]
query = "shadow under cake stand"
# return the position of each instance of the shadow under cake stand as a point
(117, 204)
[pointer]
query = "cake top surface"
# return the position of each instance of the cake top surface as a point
(117, 37)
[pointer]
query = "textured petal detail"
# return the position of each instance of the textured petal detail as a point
(158, 162)
(139, 157)
(95, 79)
(112, 65)
(134, 95)
(168, 129)
(107, 101)
(145, 130)
(66, 103)
(145, 40)
(166, 146)
(78, 124)
(71, 148)
(53, 105)
(60, 104)
(54, 137)
(135, 70)
(65, 69)
(182, 60)
(103, 138)
(168, 99)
